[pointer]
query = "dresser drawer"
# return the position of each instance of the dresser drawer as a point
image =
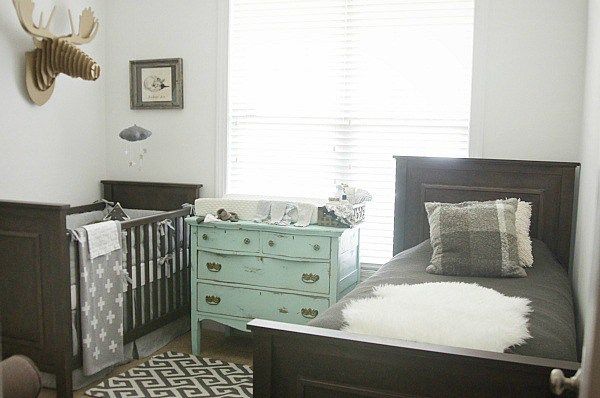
(234, 240)
(296, 245)
(250, 304)
(303, 276)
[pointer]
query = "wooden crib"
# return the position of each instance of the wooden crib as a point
(35, 275)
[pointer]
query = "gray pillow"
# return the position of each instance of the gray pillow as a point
(474, 239)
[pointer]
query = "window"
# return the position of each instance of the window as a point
(327, 91)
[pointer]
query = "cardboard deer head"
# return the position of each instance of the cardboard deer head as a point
(53, 54)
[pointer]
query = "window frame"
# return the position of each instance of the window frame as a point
(482, 10)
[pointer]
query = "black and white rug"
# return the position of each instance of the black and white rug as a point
(174, 374)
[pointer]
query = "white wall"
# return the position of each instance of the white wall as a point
(527, 102)
(587, 250)
(529, 60)
(182, 147)
(53, 153)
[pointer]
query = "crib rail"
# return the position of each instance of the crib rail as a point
(158, 263)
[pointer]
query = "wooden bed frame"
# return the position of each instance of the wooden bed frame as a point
(304, 361)
(35, 291)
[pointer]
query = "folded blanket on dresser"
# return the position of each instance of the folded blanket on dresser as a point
(101, 299)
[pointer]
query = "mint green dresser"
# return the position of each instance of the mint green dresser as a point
(246, 270)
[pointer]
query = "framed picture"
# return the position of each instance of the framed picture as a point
(156, 83)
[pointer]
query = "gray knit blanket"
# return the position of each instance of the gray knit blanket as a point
(101, 306)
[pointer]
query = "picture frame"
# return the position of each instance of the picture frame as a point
(156, 83)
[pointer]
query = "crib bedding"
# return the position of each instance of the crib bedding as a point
(547, 285)
(89, 217)
(76, 327)
(80, 219)
(75, 287)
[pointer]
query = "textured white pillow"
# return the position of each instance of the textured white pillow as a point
(522, 224)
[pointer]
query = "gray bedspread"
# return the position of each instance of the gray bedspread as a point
(547, 285)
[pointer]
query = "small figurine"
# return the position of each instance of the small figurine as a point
(225, 215)
(117, 214)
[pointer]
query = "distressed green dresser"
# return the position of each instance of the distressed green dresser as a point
(247, 270)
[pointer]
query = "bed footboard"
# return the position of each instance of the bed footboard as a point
(303, 361)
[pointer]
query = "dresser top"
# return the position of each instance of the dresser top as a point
(254, 226)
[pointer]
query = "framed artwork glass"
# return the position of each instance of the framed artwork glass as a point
(156, 83)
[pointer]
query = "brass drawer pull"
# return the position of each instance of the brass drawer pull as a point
(310, 278)
(204, 237)
(213, 300)
(317, 248)
(247, 241)
(309, 313)
(271, 243)
(213, 267)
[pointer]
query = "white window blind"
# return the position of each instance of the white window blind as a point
(327, 91)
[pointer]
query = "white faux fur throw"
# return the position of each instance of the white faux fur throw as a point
(447, 313)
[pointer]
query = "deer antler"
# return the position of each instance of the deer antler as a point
(25, 13)
(88, 27)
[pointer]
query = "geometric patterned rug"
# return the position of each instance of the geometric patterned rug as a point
(174, 374)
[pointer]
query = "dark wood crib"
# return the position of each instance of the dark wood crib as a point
(35, 275)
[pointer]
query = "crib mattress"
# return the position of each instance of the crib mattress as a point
(547, 285)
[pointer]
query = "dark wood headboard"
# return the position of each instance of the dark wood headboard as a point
(549, 186)
(150, 195)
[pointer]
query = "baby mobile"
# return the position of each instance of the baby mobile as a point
(134, 151)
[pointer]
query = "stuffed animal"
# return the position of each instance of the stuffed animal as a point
(117, 214)
(225, 215)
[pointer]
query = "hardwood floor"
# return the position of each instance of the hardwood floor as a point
(236, 348)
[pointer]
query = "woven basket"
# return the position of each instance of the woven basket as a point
(328, 219)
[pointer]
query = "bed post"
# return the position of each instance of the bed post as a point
(262, 365)
(35, 296)
(63, 330)
(399, 205)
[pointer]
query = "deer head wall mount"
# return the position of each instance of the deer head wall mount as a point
(53, 54)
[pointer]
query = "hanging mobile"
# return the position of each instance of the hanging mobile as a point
(133, 136)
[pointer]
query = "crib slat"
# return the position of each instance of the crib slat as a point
(177, 275)
(146, 286)
(163, 276)
(129, 293)
(186, 265)
(155, 246)
(138, 279)
(171, 266)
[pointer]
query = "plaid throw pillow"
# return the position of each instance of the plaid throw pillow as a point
(474, 239)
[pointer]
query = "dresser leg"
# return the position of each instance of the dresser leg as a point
(195, 333)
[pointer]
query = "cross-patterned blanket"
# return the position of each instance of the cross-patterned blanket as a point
(101, 306)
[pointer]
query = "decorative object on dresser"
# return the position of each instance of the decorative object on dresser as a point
(39, 265)
(345, 209)
(156, 83)
(248, 270)
(53, 54)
